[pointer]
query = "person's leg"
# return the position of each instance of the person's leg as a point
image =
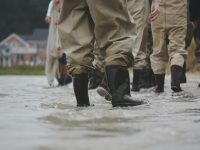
(197, 41)
(136, 80)
(159, 57)
(151, 75)
(80, 84)
(76, 36)
(142, 65)
(137, 12)
(177, 52)
(95, 78)
(114, 31)
(140, 10)
(103, 89)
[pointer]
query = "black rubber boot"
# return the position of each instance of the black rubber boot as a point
(152, 78)
(95, 78)
(160, 79)
(146, 77)
(103, 89)
(176, 74)
(64, 80)
(143, 78)
(183, 77)
(199, 85)
(80, 83)
(119, 85)
(135, 83)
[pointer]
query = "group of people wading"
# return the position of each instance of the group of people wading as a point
(96, 41)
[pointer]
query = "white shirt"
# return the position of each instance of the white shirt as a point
(49, 11)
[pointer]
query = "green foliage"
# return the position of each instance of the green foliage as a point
(23, 70)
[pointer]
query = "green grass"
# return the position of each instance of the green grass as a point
(23, 70)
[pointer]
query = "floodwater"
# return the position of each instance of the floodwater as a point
(36, 117)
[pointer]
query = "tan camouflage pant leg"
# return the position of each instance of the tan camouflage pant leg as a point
(111, 24)
(76, 35)
(114, 30)
(169, 32)
(139, 10)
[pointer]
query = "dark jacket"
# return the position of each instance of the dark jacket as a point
(194, 10)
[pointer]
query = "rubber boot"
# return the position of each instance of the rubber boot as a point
(176, 74)
(119, 85)
(152, 78)
(145, 78)
(80, 83)
(95, 78)
(160, 79)
(103, 89)
(183, 77)
(64, 79)
(135, 83)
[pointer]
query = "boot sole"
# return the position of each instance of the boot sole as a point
(104, 93)
(84, 105)
(176, 89)
(135, 89)
(126, 104)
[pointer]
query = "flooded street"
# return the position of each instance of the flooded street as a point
(36, 117)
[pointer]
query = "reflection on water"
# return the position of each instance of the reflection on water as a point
(36, 117)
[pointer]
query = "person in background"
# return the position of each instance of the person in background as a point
(97, 73)
(169, 32)
(99, 64)
(56, 61)
(194, 8)
(142, 73)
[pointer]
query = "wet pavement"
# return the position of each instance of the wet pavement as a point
(36, 117)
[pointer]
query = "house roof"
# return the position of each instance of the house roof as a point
(15, 36)
(37, 35)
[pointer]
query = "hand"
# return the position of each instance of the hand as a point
(59, 51)
(154, 11)
(57, 1)
(48, 19)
